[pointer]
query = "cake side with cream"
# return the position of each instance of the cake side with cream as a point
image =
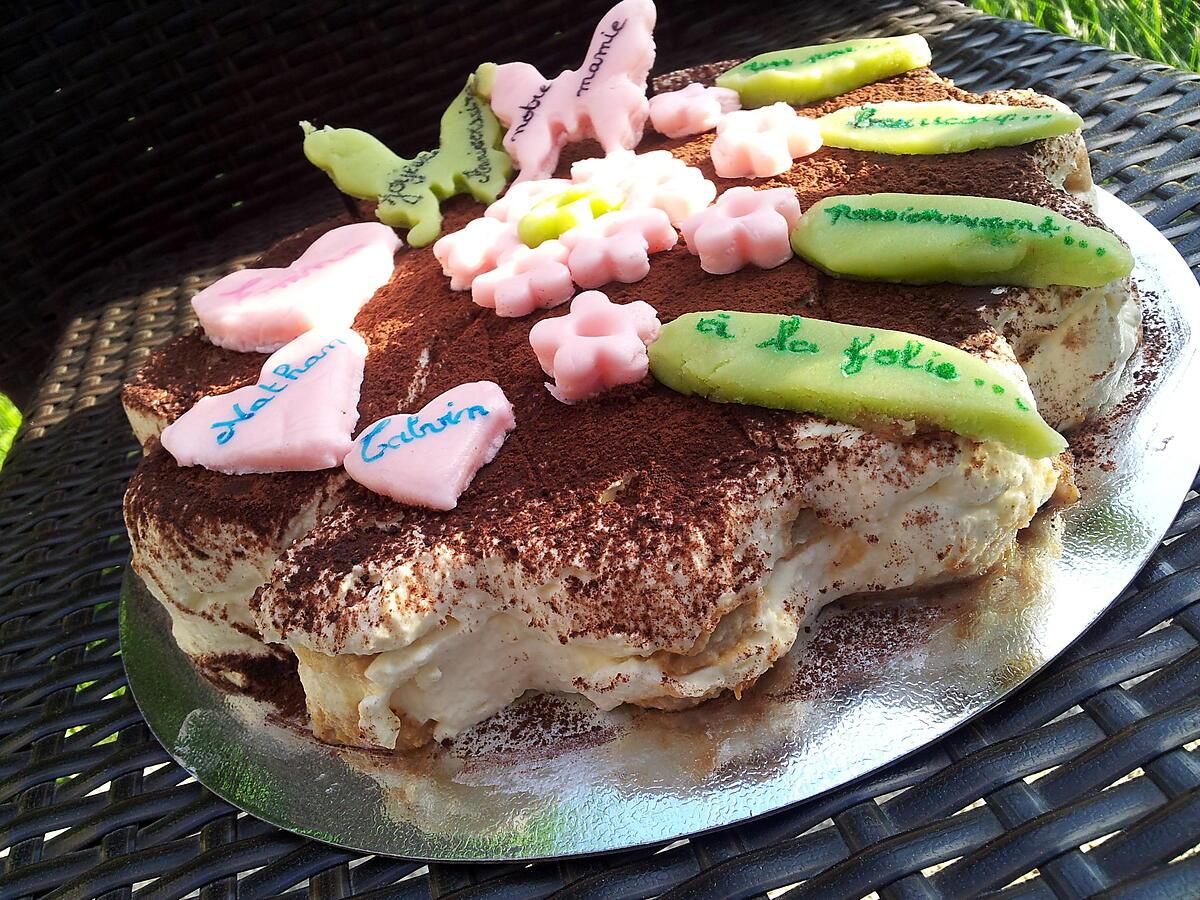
(612, 536)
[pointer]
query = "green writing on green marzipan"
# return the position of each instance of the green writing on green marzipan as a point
(946, 126)
(927, 238)
(786, 62)
(805, 74)
(469, 159)
(847, 373)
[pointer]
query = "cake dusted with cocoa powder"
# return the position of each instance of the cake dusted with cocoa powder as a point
(643, 546)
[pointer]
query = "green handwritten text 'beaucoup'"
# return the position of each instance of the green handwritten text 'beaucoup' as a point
(410, 191)
(927, 238)
(851, 374)
(947, 126)
(806, 74)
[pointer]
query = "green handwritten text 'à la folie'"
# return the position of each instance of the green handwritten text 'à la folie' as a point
(469, 159)
(847, 373)
(806, 74)
(927, 238)
(948, 126)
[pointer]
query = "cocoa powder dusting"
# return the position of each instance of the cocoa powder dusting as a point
(849, 646)
(270, 679)
(645, 489)
(183, 500)
(538, 728)
(182, 371)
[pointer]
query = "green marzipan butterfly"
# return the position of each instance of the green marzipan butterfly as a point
(469, 159)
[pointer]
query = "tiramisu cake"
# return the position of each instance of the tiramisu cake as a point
(670, 375)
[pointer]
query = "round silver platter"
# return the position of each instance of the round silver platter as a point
(874, 681)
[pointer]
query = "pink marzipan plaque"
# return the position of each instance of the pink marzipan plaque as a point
(430, 457)
(298, 417)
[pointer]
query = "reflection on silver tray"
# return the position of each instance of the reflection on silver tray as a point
(553, 776)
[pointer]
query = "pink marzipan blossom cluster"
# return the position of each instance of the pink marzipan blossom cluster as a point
(488, 258)
(655, 179)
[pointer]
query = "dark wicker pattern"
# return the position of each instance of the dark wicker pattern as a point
(1099, 753)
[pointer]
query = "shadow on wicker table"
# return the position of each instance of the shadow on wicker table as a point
(89, 803)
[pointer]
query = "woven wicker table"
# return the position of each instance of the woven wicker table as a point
(148, 150)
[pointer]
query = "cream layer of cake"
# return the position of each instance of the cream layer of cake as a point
(428, 635)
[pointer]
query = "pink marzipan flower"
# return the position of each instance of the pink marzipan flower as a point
(617, 246)
(694, 109)
(655, 179)
(743, 226)
(477, 248)
(758, 143)
(528, 279)
(596, 346)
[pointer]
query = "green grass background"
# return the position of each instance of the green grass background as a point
(1165, 30)
(10, 421)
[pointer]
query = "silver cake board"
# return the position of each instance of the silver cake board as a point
(552, 776)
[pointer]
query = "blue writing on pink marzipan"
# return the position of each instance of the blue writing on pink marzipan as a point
(284, 371)
(414, 430)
